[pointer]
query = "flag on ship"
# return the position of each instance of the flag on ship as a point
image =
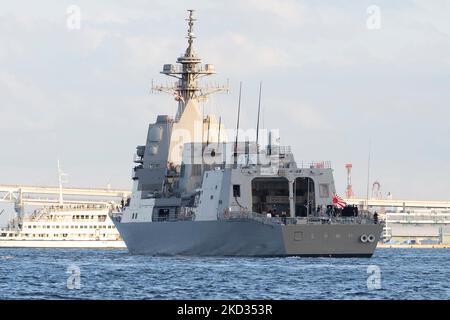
(338, 201)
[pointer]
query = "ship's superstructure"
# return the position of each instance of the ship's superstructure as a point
(197, 193)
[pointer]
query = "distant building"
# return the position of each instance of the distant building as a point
(418, 225)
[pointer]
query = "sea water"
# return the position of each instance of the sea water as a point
(116, 274)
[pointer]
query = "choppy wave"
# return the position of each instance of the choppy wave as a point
(114, 274)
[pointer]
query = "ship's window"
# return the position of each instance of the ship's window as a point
(236, 190)
(324, 190)
(163, 214)
(212, 197)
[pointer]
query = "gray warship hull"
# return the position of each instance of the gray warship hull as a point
(248, 238)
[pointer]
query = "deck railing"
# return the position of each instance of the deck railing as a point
(265, 219)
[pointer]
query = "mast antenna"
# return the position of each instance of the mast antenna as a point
(207, 133)
(257, 124)
(237, 123)
(218, 135)
(188, 70)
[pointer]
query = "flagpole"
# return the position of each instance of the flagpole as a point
(60, 184)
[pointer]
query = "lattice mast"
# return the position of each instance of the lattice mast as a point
(188, 70)
(349, 191)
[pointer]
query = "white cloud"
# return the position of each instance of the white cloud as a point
(24, 106)
(288, 11)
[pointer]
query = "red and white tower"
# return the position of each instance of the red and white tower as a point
(349, 192)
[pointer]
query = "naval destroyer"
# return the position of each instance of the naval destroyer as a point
(197, 193)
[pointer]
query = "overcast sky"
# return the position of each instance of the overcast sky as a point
(330, 82)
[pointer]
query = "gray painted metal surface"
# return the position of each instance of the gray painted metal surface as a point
(247, 238)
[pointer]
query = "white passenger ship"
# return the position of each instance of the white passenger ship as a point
(63, 226)
(66, 226)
